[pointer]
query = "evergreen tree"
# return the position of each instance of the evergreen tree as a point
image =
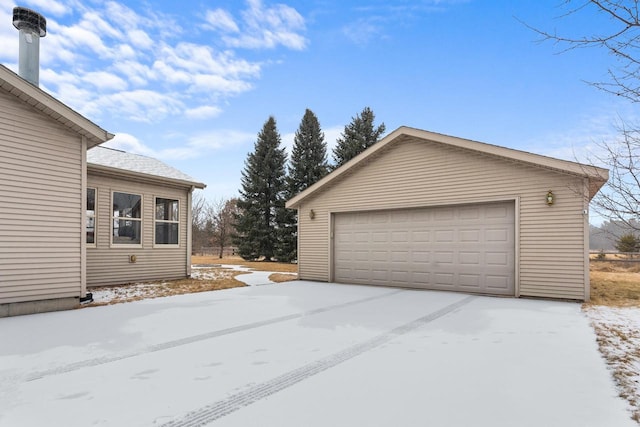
(261, 205)
(307, 166)
(628, 243)
(309, 155)
(358, 135)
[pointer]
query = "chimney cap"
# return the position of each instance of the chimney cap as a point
(29, 19)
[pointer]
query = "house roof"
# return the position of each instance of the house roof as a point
(597, 176)
(108, 159)
(47, 104)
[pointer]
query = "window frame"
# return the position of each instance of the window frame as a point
(95, 218)
(114, 218)
(163, 221)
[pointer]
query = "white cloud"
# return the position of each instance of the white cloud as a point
(331, 136)
(195, 146)
(106, 59)
(139, 39)
(137, 105)
(261, 27)
(136, 73)
(220, 19)
(129, 143)
(203, 112)
(209, 82)
(50, 7)
(105, 81)
(582, 140)
(77, 37)
(218, 139)
(363, 30)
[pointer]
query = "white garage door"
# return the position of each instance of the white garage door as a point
(467, 248)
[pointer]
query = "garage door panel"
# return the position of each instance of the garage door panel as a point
(444, 236)
(420, 236)
(443, 257)
(467, 258)
(469, 280)
(470, 235)
(501, 259)
(469, 213)
(420, 259)
(467, 248)
(498, 282)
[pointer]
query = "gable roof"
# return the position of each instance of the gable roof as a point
(108, 159)
(48, 105)
(597, 176)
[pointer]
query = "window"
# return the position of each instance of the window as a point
(127, 218)
(167, 221)
(91, 216)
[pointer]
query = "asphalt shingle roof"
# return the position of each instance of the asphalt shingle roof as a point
(103, 156)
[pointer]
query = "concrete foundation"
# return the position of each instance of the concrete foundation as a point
(33, 307)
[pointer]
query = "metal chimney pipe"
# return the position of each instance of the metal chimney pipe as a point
(32, 26)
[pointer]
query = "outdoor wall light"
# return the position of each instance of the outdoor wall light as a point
(550, 198)
(312, 214)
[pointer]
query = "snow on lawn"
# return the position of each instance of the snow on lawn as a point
(203, 278)
(618, 332)
(136, 291)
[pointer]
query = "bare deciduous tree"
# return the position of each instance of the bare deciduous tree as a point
(222, 217)
(620, 198)
(199, 213)
(622, 18)
(619, 35)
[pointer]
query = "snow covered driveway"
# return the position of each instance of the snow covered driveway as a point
(308, 354)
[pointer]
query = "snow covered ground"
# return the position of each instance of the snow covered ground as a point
(618, 331)
(135, 291)
(309, 354)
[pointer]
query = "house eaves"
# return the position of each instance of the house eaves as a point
(48, 105)
(595, 175)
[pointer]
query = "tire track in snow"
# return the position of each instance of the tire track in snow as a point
(195, 338)
(221, 408)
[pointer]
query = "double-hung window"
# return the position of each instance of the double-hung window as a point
(126, 219)
(167, 222)
(91, 216)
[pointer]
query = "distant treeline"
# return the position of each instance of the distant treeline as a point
(605, 236)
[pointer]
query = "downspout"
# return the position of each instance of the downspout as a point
(587, 230)
(189, 228)
(84, 296)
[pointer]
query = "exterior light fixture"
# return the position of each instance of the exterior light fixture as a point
(550, 198)
(312, 214)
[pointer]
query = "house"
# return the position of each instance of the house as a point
(139, 218)
(66, 223)
(424, 210)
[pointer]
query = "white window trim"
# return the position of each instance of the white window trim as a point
(95, 219)
(112, 218)
(155, 221)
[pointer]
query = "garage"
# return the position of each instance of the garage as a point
(424, 210)
(469, 248)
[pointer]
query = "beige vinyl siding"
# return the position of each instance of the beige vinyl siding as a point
(41, 208)
(550, 239)
(109, 264)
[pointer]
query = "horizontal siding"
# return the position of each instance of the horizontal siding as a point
(41, 209)
(107, 264)
(422, 174)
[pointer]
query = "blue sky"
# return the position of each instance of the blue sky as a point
(192, 82)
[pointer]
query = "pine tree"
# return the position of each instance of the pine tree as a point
(261, 205)
(309, 155)
(628, 243)
(358, 135)
(307, 166)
